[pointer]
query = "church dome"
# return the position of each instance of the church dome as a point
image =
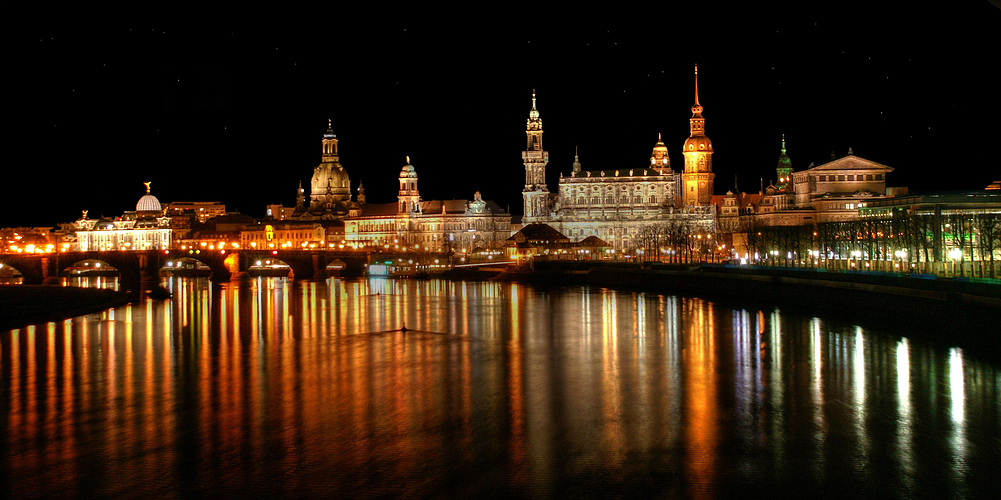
(698, 143)
(148, 203)
(408, 171)
(337, 177)
(659, 157)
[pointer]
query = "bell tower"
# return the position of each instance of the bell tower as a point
(329, 144)
(536, 194)
(698, 176)
(409, 197)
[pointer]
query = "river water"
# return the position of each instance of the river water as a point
(496, 389)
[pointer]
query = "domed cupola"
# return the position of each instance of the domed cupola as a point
(659, 159)
(408, 172)
(329, 174)
(148, 203)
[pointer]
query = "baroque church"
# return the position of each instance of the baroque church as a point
(329, 190)
(615, 205)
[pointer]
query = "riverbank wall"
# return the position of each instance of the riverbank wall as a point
(22, 305)
(884, 296)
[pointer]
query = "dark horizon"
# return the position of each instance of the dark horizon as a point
(234, 112)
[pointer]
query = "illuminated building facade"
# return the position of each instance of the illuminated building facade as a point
(615, 205)
(147, 228)
(29, 239)
(433, 225)
(200, 210)
(284, 235)
(831, 192)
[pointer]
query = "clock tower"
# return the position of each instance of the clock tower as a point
(536, 194)
(698, 176)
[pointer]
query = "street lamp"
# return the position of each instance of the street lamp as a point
(955, 254)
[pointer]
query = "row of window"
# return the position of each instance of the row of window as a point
(850, 177)
(609, 200)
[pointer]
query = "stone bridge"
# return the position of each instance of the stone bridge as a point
(140, 268)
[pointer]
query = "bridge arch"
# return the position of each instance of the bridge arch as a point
(10, 274)
(215, 260)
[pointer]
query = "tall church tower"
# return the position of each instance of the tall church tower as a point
(698, 176)
(784, 169)
(536, 194)
(410, 199)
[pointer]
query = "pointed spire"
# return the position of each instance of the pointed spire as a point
(533, 115)
(850, 153)
(697, 108)
(783, 144)
(658, 137)
(576, 160)
(408, 160)
(696, 84)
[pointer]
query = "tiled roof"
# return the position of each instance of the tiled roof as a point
(379, 209)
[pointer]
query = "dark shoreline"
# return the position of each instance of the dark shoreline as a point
(23, 305)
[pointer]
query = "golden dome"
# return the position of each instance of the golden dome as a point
(698, 143)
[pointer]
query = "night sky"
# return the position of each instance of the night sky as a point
(215, 109)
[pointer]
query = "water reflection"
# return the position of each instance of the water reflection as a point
(311, 389)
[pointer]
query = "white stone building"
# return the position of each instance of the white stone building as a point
(616, 204)
(432, 225)
(145, 229)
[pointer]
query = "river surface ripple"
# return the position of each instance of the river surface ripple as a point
(494, 389)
